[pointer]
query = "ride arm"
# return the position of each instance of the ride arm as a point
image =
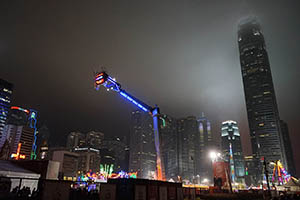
(110, 84)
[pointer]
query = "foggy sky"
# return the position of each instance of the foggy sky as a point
(181, 55)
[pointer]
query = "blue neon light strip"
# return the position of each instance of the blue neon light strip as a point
(32, 124)
(134, 101)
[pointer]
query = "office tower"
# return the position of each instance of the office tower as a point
(15, 117)
(188, 153)
(18, 133)
(263, 116)
(142, 157)
(5, 99)
(94, 139)
(119, 147)
(43, 142)
(88, 159)
(19, 137)
(232, 150)
(108, 157)
(288, 148)
(205, 145)
(169, 146)
(75, 139)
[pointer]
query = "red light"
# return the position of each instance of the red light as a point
(19, 108)
(15, 108)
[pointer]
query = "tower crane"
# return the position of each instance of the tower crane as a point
(102, 78)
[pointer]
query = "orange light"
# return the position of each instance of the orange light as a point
(18, 155)
(100, 82)
(99, 75)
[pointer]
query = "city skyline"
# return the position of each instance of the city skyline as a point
(64, 91)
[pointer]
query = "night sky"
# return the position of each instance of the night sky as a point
(181, 55)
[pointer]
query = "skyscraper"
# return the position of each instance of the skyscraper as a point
(94, 139)
(75, 139)
(43, 142)
(5, 99)
(188, 153)
(17, 132)
(142, 157)
(119, 147)
(263, 116)
(232, 150)
(288, 148)
(88, 159)
(169, 145)
(205, 145)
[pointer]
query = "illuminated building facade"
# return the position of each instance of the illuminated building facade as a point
(6, 89)
(263, 116)
(204, 145)
(169, 146)
(189, 154)
(252, 178)
(142, 157)
(232, 150)
(88, 159)
(68, 168)
(43, 142)
(120, 149)
(76, 139)
(21, 128)
(94, 139)
(16, 135)
(288, 148)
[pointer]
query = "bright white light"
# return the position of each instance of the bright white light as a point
(219, 154)
(205, 180)
(107, 89)
(213, 155)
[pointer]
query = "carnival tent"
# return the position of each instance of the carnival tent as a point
(18, 175)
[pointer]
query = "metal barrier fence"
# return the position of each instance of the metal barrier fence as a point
(136, 189)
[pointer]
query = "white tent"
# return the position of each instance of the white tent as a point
(16, 173)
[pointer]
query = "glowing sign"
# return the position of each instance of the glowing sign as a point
(17, 155)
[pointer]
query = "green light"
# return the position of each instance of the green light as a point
(164, 122)
(246, 173)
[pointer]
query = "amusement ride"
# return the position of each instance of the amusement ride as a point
(103, 79)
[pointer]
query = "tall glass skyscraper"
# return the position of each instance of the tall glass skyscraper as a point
(169, 145)
(288, 148)
(263, 116)
(142, 157)
(187, 146)
(232, 150)
(5, 96)
(203, 167)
